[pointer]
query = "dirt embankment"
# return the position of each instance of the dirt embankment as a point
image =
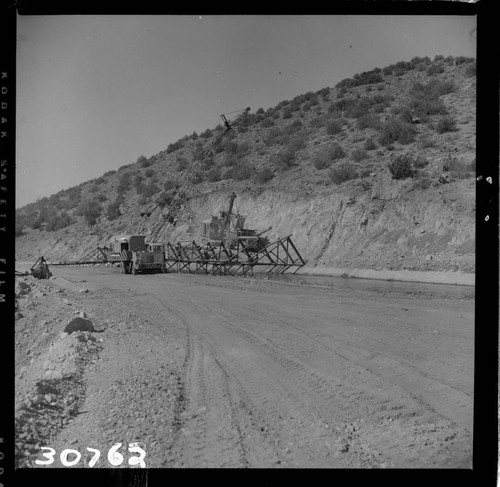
(227, 372)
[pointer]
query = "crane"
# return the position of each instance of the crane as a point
(176, 208)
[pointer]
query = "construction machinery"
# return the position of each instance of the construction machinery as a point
(177, 207)
(229, 228)
(134, 255)
(226, 246)
(40, 269)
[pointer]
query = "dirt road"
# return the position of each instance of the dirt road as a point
(238, 372)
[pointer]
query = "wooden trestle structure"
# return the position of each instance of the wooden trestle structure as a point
(239, 258)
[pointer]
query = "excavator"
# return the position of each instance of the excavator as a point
(229, 228)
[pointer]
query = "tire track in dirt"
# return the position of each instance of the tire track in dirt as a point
(272, 378)
(208, 432)
(342, 399)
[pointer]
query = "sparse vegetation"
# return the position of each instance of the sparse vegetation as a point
(329, 128)
(56, 222)
(328, 156)
(285, 159)
(147, 190)
(90, 210)
(446, 124)
(113, 212)
(182, 164)
(333, 127)
(214, 175)
(342, 173)
(359, 154)
(368, 120)
(143, 162)
(264, 175)
(470, 70)
(365, 78)
(396, 130)
(124, 182)
(369, 144)
(403, 166)
(426, 141)
(459, 169)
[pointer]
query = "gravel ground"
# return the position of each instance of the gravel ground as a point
(204, 371)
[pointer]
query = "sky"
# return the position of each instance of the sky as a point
(96, 92)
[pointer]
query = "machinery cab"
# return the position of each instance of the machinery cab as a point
(130, 243)
(155, 247)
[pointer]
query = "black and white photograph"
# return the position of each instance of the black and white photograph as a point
(245, 241)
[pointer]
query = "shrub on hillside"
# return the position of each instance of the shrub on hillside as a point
(335, 151)
(425, 97)
(403, 112)
(459, 169)
(138, 179)
(113, 212)
(230, 160)
(330, 154)
(214, 175)
(206, 134)
(19, 229)
(264, 175)
(149, 173)
(434, 69)
(147, 190)
(342, 173)
(272, 136)
(143, 200)
(359, 154)
(359, 109)
(285, 159)
(319, 121)
(369, 144)
(124, 182)
(446, 124)
(470, 70)
(333, 127)
(422, 182)
(174, 147)
(401, 167)
(388, 70)
(90, 210)
(182, 164)
(395, 130)
(425, 142)
(198, 151)
(143, 162)
(242, 171)
(267, 122)
(369, 120)
(298, 141)
(287, 114)
(321, 161)
(364, 78)
(333, 111)
(345, 103)
(56, 222)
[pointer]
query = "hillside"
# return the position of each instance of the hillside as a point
(376, 172)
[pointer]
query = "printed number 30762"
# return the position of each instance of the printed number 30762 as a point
(115, 458)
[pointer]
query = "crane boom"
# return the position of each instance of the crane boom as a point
(176, 208)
